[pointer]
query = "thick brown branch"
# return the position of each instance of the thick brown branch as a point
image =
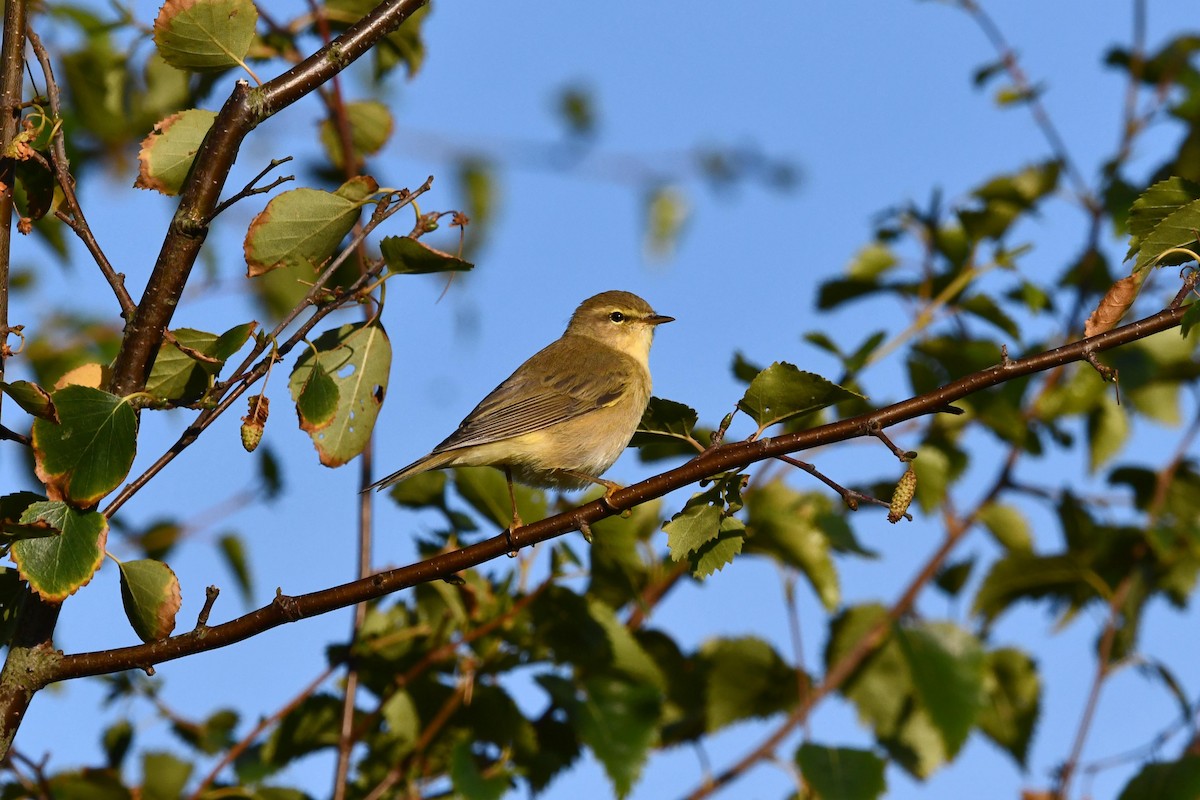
(731, 456)
(245, 109)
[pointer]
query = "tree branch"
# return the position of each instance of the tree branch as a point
(737, 455)
(242, 112)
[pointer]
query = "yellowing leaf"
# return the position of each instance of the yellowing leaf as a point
(56, 566)
(150, 593)
(89, 452)
(167, 153)
(205, 35)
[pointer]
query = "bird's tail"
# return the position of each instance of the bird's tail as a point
(431, 461)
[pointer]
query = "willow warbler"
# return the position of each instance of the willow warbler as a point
(566, 414)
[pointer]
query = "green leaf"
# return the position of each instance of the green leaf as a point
(468, 781)
(370, 124)
(1026, 577)
(628, 657)
(233, 551)
(666, 420)
(619, 722)
(421, 490)
(1008, 527)
(1169, 780)
(486, 489)
(185, 371)
(933, 477)
(947, 665)
(205, 35)
(714, 554)
(782, 391)
(407, 256)
(116, 740)
(1108, 430)
(214, 734)
(12, 509)
(786, 525)
(620, 566)
(303, 227)
(310, 726)
(841, 773)
(1013, 691)
(871, 261)
(745, 678)
(89, 452)
(317, 400)
(167, 153)
(1190, 318)
(1156, 204)
(32, 399)
(150, 593)
(1178, 229)
(358, 356)
(163, 776)
(56, 566)
(697, 523)
(667, 214)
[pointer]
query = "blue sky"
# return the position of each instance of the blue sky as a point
(872, 100)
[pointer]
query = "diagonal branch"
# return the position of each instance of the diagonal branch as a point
(242, 112)
(737, 455)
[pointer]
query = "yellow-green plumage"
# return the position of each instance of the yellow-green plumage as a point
(566, 414)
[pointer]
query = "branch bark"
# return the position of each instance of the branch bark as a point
(242, 112)
(718, 459)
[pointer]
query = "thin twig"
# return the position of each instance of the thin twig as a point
(1104, 668)
(851, 497)
(249, 190)
(232, 753)
(73, 217)
(245, 376)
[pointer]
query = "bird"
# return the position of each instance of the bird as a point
(565, 415)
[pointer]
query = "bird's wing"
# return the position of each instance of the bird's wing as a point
(533, 397)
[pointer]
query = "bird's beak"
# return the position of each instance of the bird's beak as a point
(658, 319)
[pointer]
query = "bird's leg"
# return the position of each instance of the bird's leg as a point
(610, 487)
(516, 519)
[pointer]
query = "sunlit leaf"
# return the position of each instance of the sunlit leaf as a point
(1177, 230)
(32, 399)
(56, 566)
(205, 35)
(167, 153)
(841, 773)
(1156, 204)
(407, 256)
(358, 357)
(782, 391)
(150, 593)
(947, 668)
(697, 523)
(89, 452)
(303, 227)
(715, 553)
(184, 369)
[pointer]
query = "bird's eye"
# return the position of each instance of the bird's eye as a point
(617, 316)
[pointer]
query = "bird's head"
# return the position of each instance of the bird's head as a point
(621, 320)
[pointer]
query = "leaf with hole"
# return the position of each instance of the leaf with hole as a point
(304, 227)
(357, 357)
(56, 566)
(167, 154)
(89, 452)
